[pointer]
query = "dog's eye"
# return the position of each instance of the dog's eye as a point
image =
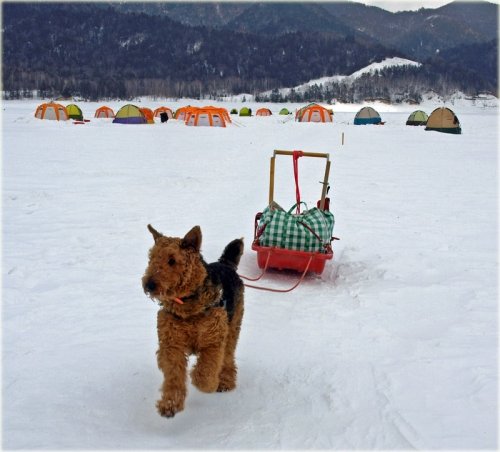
(171, 261)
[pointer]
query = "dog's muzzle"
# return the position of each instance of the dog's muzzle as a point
(150, 286)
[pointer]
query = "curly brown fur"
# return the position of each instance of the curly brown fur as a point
(208, 322)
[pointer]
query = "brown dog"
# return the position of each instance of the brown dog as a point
(201, 313)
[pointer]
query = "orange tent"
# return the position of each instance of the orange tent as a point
(182, 113)
(104, 112)
(53, 111)
(212, 117)
(225, 114)
(148, 114)
(161, 110)
(263, 112)
(314, 113)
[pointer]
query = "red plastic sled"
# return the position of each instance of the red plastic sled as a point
(282, 258)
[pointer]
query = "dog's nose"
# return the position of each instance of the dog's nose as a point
(150, 285)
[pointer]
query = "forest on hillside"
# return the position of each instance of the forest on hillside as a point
(97, 52)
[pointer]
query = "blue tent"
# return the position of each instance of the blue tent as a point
(367, 115)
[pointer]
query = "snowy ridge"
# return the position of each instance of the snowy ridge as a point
(388, 62)
(370, 69)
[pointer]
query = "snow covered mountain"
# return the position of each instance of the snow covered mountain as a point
(386, 63)
(368, 70)
(120, 51)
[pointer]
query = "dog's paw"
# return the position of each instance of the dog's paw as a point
(227, 378)
(205, 382)
(226, 386)
(168, 408)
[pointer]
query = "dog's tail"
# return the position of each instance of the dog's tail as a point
(232, 253)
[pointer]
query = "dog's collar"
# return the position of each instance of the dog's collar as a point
(184, 299)
(219, 304)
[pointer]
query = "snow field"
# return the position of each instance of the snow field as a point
(394, 346)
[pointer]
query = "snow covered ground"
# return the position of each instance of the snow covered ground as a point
(394, 346)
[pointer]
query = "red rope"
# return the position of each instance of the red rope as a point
(270, 289)
(263, 271)
(296, 156)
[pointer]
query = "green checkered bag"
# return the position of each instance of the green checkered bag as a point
(309, 231)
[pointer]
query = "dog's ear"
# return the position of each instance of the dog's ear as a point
(192, 239)
(156, 234)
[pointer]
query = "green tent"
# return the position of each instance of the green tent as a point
(130, 114)
(417, 118)
(74, 112)
(284, 111)
(245, 111)
(234, 111)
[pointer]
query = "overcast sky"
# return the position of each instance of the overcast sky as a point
(394, 6)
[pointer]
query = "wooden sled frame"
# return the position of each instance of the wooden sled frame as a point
(304, 154)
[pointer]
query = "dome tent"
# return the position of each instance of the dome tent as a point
(314, 113)
(183, 112)
(367, 115)
(148, 114)
(221, 110)
(417, 118)
(284, 111)
(104, 112)
(161, 110)
(212, 117)
(444, 120)
(74, 112)
(52, 111)
(129, 114)
(245, 111)
(263, 112)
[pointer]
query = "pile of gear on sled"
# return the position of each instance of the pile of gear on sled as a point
(293, 239)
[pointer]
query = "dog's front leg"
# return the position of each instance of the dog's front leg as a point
(173, 363)
(205, 374)
(212, 336)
